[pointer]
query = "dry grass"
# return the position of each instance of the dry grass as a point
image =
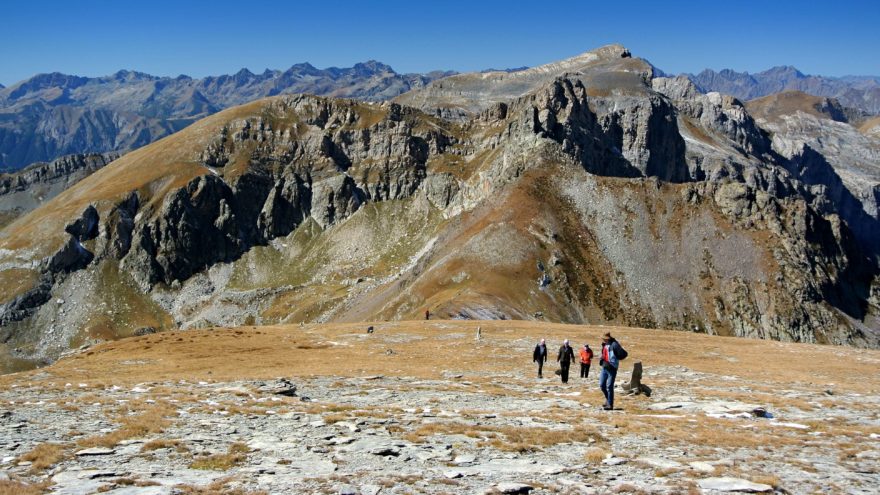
(218, 487)
(151, 421)
(13, 487)
(709, 431)
(43, 456)
(595, 455)
(234, 456)
(332, 418)
(121, 482)
(505, 438)
(767, 479)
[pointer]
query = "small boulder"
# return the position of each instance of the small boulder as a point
(281, 386)
(140, 332)
(514, 488)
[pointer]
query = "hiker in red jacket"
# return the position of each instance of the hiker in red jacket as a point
(586, 359)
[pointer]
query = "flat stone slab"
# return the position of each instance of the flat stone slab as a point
(727, 484)
(614, 461)
(728, 407)
(95, 451)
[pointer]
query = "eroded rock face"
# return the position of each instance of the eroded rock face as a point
(819, 266)
(323, 167)
(716, 113)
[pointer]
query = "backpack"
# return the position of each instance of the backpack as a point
(620, 352)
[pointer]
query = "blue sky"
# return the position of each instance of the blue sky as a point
(202, 38)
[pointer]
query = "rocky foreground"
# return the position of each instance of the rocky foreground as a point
(438, 407)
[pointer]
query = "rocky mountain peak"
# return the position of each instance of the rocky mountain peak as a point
(783, 71)
(371, 67)
(42, 82)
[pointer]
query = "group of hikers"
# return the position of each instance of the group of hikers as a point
(609, 360)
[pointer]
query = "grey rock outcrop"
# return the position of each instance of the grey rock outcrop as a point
(625, 136)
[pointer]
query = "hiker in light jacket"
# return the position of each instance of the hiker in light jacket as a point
(609, 362)
(565, 357)
(540, 356)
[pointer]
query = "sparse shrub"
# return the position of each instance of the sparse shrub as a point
(595, 455)
(767, 479)
(164, 443)
(236, 454)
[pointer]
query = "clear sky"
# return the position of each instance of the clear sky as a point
(219, 37)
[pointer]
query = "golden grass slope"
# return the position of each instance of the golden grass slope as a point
(428, 349)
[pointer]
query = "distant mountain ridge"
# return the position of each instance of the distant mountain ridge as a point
(50, 115)
(861, 92)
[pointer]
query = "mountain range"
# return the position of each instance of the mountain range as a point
(859, 92)
(587, 190)
(50, 115)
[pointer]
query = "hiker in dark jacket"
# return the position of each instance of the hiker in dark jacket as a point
(565, 357)
(540, 357)
(609, 362)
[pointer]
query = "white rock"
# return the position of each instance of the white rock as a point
(703, 467)
(659, 463)
(614, 461)
(790, 425)
(727, 484)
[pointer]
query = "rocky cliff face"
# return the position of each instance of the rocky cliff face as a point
(22, 191)
(55, 114)
(595, 197)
